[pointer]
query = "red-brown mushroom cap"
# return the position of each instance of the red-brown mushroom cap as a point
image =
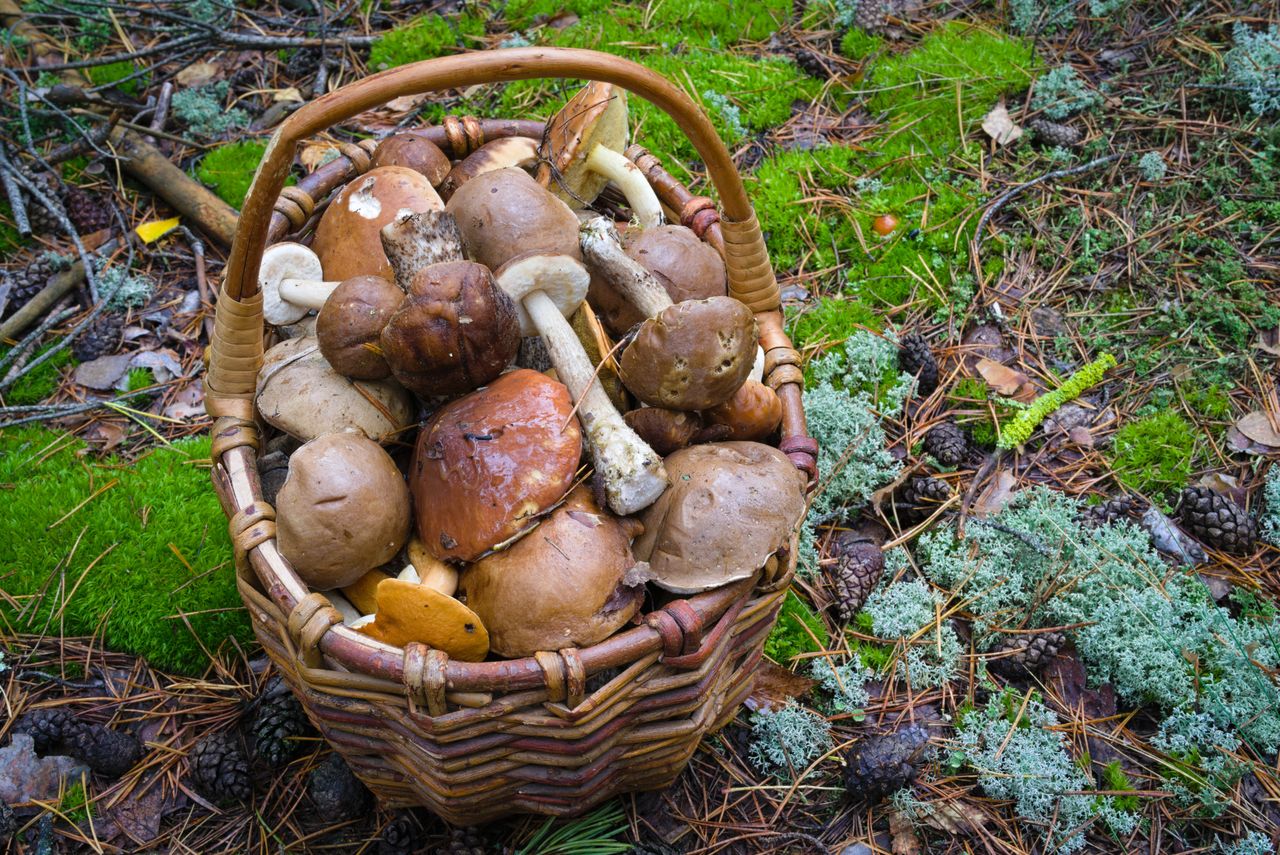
(504, 213)
(412, 151)
(350, 324)
(489, 464)
(347, 237)
(753, 413)
(454, 332)
(562, 585)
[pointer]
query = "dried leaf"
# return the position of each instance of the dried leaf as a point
(25, 777)
(953, 816)
(197, 74)
(156, 229)
(1081, 437)
(404, 103)
(1257, 426)
(188, 402)
(774, 686)
(1002, 379)
(290, 93)
(103, 373)
(999, 126)
(1269, 341)
(904, 840)
(1239, 442)
(1225, 485)
(1169, 539)
(996, 495)
(313, 156)
(163, 363)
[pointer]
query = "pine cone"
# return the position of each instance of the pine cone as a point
(947, 443)
(879, 765)
(401, 836)
(302, 62)
(50, 729)
(336, 792)
(1217, 521)
(859, 564)
(277, 723)
(103, 337)
(920, 497)
(31, 279)
(1025, 653)
(1055, 133)
(871, 15)
(916, 358)
(1107, 512)
(810, 64)
(43, 221)
(106, 751)
(88, 212)
(464, 841)
(8, 823)
(219, 768)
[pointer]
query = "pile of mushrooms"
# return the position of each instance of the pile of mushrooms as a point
(512, 422)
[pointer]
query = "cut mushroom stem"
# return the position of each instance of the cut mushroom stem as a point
(547, 288)
(630, 180)
(292, 283)
(602, 249)
(413, 241)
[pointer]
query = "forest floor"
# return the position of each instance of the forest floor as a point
(1063, 649)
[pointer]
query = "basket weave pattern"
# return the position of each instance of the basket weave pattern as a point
(561, 731)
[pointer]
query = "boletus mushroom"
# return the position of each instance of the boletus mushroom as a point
(581, 152)
(666, 431)
(686, 541)
(489, 464)
(686, 267)
(292, 283)
(300, 393)
(687, 356)
(504, 213)
(347, 239)
(412, 151)
(410, 611)
(752, 414)
(563, 585)
(502, 153)
(343, 510)
(349, 326)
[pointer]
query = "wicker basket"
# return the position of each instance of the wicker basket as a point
(561, 731)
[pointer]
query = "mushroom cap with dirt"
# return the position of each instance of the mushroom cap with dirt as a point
(505, 213)
(343, 510)
(581, 152)
(349, 326)
(489, 464)
(413, 612)
(347, 237)
(300, 393)
(412, 151)
(686, 540)
(565, 584)
(685, 266)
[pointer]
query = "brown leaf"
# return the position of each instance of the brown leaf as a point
(1239, 442)
(197, 74)
(996, 495)
(774, 686)
(25, 777)
(1081, 437)
(188, 402)
(1002, 379)
(1269, 341)
(104, 372)
(953, 816)
(1257, 426)
(999, 126)
(904, 840)
(312, 157)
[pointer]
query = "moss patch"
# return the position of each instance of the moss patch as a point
(797, 631)
(426, 37)
(830, 319)
(119, 550)
(102, 75)
(40, 382)
(229, 170)
(1153, 455)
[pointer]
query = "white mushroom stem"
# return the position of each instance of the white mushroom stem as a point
(631, 181)
(306, 293)
(603, 252)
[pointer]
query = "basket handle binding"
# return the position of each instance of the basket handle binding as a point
(236, 348)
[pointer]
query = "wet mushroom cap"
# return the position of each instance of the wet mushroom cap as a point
(595, 115)
(362, 593)
(504, 213)
(686, 540)
(685, 266)
(753, 413)
(409, 612)
(496, 154)
(693, 355)
(489, 464)
(454, 332)
(350, 324)
(666, 431)
(563, 585)
(343, 510)
(412, 151)
(347, 238)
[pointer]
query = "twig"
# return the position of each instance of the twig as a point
(40, 412)
(17, 354)
(1004, 197)
(16, 205)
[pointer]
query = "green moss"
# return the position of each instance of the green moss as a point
(798, 631)
(229, 169)
(1114, 778)
(122, 551)
(140, 378)
(74, 804)
(859, 44)
(40, 382)
(425, 37)
(700, 22)
(830, 319)
(10, 239)
(1153, 455)
(103, 75)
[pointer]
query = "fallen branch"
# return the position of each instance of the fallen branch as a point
(40, 412)
(1004, 197)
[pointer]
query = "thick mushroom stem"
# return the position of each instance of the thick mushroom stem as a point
(413, 241)
(603, 252)
(306, 293)
(631, 181)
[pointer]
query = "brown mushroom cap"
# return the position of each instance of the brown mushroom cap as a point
(454, 332)
(563, 585)
(489, 464)
(596, 115)
(347, 237)
(412, 151)
(343, 510)
(350, 324)
(504, 213)
(753, 413)
(731, 505)
(363, 592)
(666, 431)
(501, 153)
(694, 355)
(685, 266)
(409, 612)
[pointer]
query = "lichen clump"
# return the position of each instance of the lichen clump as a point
(910, 613)
(786, 740)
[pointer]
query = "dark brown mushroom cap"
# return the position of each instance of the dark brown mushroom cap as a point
(489, 464)
(350, 324)
(455, 331)
(415, 152)
(693, 355)
(687, 268)
(753, 413)
(348, 238)
(666, 431)
(343, 510)
(562, 585)
(595, 115)
(504, 213)
(730, 506)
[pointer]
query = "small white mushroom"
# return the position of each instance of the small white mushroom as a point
(292, 283)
